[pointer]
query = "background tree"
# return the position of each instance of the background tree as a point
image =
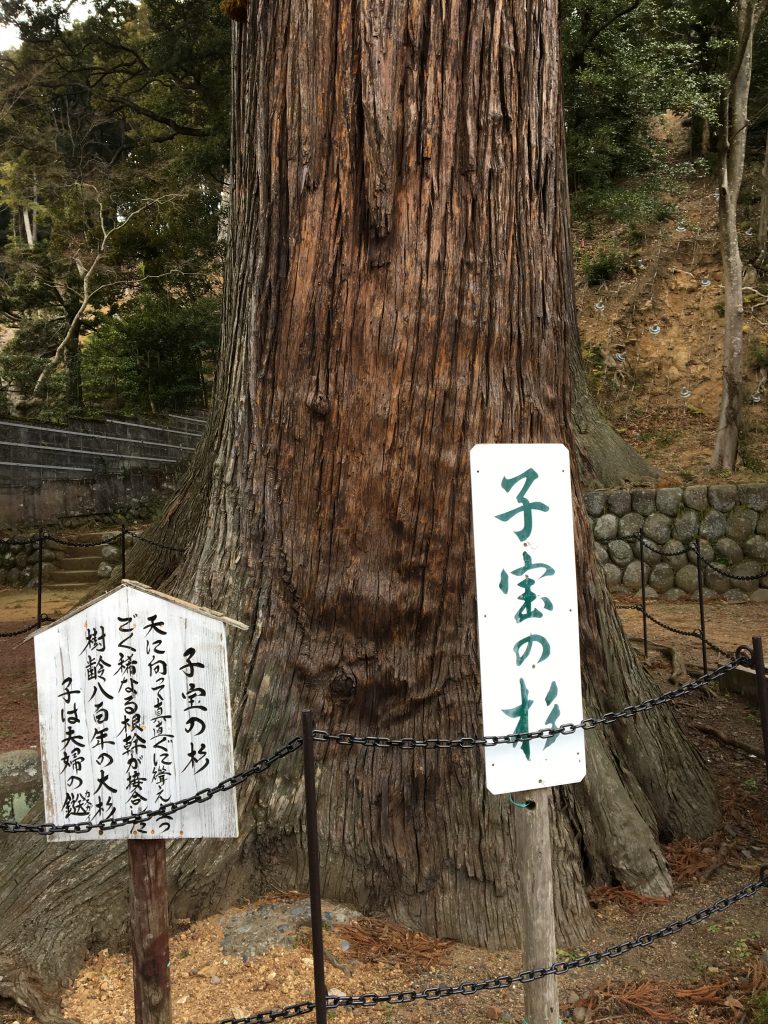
(733, 145)
(399, 288)
(101, 123)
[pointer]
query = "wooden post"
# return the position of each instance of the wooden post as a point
(536, 899)
(149, 931)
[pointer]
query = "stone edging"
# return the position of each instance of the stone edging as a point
(730, 519)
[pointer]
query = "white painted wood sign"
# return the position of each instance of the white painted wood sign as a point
(133, 696)
(527, 612)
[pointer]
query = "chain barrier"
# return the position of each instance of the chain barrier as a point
(684, 548)
(732, 575)
(7, 541)
(156, 543)
(410, 743)
(18, 632)
(673, 629)
(66, 542)
(504, 981)
(349, 739)
(83, 544)
(719, 650)
(26, 629)
(164, 811)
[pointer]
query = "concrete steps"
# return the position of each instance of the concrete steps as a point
(76, 565)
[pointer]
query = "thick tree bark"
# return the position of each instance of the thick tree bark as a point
(399, 288)
(604, 458)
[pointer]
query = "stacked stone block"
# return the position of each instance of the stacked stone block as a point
(18, 563)
(730, 521)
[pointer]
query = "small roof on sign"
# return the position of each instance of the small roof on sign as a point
(134, 585)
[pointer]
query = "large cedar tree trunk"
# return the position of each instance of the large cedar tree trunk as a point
(399, 289)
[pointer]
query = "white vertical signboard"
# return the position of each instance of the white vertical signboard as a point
(527, 612)
(133, 697)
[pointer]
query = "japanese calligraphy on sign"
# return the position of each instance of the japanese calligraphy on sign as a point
(527, 612)
(134, 710)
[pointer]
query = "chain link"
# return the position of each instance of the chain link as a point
(79, 828)
(27, 629)
(18, 632)
(157, 543)
(404, 743)
(504, 981)
(80, 543)
(732, 575)
(410, 743)
(664, 625)
(21, 541)
(684, 548)
(673, 629)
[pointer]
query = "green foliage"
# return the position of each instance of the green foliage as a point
(114, 135)
(625, 65)
(151, 356)
(758, 1009)
(757, 348)
(629, 204)
(602, 265)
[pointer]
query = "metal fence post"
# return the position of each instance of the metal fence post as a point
(758, 663)
(642, 591)
(313, 856)
(40, 543)
(702, 626)
(122, 551)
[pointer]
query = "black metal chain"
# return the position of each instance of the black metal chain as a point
(349, 739)
(410, 743)
(504, 981)
(18, 632)
(673, 629)
(79, 828)
(684, 548)
(719, 650)
(21, 541)
(732, 575)
(157, 544)
(80, 543)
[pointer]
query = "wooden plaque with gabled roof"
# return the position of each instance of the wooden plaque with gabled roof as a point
(133, 695)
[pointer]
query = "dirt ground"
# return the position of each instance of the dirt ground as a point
(652, 336)
(714, 971)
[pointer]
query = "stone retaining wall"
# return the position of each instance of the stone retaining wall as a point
(18, 563)
(730, 520)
